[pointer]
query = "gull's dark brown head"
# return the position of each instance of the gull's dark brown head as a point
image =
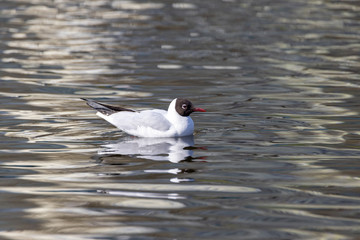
(184, 107)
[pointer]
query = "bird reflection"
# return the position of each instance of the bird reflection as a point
(159, 149)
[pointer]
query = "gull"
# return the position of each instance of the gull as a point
(175, 122)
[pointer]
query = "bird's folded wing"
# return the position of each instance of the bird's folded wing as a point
(154, 119)
(104, 108)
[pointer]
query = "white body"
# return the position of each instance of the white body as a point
(152, 123)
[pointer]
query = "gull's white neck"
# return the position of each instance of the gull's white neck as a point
(183, 125)
(171, 109)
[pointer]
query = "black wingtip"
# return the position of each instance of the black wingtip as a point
(86, 100)
(104, 108)
(92, 103)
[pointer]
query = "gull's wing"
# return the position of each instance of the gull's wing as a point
(128, 121)
(104, 108)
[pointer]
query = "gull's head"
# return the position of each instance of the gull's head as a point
(184, 107)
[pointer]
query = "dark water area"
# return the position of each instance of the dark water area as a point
(276, 155)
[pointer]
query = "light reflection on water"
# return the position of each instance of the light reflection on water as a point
(159, 149)
(275, 156)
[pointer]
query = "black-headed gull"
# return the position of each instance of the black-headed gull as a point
(175, 122)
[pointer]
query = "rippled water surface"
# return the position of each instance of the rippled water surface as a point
(276, 155)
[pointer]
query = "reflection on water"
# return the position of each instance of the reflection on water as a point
(174, 150)
(280, 82)
(159, 149)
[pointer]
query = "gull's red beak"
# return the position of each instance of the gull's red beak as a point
(199, 110)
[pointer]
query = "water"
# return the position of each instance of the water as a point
(276, 156)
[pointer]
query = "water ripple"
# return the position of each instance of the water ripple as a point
(274, 157)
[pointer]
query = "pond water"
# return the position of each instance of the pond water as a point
(276, 155)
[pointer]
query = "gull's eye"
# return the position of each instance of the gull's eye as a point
(184, 106)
